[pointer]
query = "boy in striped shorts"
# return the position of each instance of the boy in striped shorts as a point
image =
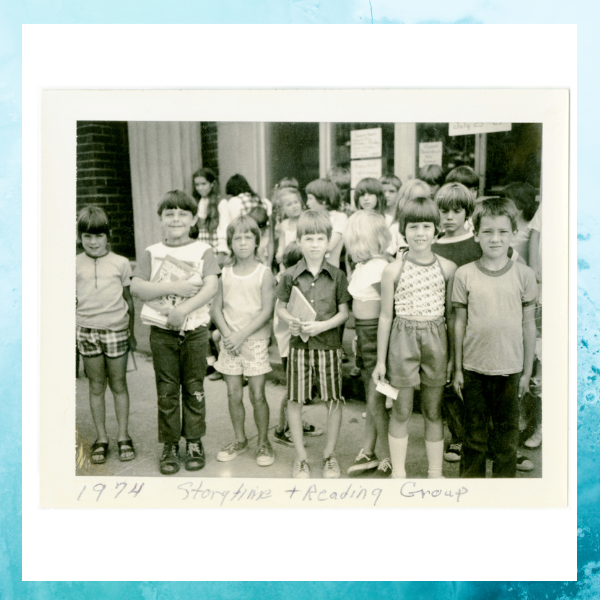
(318, 359)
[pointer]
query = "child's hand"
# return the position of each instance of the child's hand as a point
(379, 373)
(523, 385)
(132, 343)
(186, 288)
(313, 328)
(295, 326)
(449, 369)
(176, 319)
(234, 341)
(459, 382)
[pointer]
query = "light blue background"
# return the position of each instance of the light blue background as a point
(583, 13)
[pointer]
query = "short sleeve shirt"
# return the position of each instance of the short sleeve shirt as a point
(493, 342)
(326, 292)
(196, 254)
(100, 283)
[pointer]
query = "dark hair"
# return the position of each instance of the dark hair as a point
(313, 221)
(419, 210)
(326, 193)
(260, 216)
(455, 196)
(464, 175)
(292, 255)
(391, 180)
(246, 223)
(93, 219)
(178, 199)
(212, 213)
(432, 174)
(494, 206)
(237, 184)
(523, 195)
(340, 176)
(370, 185)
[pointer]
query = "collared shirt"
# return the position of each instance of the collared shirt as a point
(325, 292)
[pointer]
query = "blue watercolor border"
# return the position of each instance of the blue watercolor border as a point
(303, 11)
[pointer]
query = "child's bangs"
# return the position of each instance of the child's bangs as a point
(178, 199)
(94, 220)
(313, 222)
(242, 225)
(456, 197)
(419, 210)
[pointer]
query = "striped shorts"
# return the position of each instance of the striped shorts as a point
(308, 367)
(94, 342)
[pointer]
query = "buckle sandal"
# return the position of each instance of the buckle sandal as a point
(194, 456)
(126, 450)
(98, 453)
(169, 460)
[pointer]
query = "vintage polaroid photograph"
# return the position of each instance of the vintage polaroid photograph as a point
(270, 311)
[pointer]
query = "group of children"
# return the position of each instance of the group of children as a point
(442, 303)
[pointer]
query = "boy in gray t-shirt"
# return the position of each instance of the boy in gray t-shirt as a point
(494, 298)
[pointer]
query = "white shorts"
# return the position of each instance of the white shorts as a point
(252, 360)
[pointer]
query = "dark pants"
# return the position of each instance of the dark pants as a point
(453, 411)
(491, 420)
(180, 364)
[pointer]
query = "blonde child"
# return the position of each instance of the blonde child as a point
(290, 203)
(105, 317)
(366, 238)
(241, 311)
(412, 340)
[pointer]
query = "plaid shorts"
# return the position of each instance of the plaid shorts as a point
(252, 360)
(323, 367)
(93, 342)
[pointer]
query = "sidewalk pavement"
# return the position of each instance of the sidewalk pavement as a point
(144, 430)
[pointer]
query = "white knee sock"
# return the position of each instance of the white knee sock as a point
(398, 448)
(435, 456)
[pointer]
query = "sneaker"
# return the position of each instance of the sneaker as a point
(454, 452)
(523, 463)
(265, 456)
(194, 456)
(169, 459)
(283, 437)
(232, 450)
(536, 439)
(384, 470)
(331, 467)
(310, 430)
(300, 470)
(363, 462)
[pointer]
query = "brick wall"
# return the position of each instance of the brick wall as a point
(210, 150)
(104, 177)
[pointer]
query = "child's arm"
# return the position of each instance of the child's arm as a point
(316, 327)
(148, 290)
(449, 269)
(178, 313)
(385, 319)
(234, 340)
(294, 324)
(216, 311)
(529, 335)
(131, 311)
(534, 254)
(460, 325)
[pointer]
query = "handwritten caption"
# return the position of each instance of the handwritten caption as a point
(119, 488)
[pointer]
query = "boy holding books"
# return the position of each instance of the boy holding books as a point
(177, 308)
(315, 346)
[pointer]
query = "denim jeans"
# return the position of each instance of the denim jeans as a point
(491, 420)
(180, 368)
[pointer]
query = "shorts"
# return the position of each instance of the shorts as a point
(308, 367)
(94, 342)
(417, 353)
(252, 360)
(366, 346)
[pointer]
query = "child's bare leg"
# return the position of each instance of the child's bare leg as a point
(294, 412)
(334, 422)
(117, 380)
(283, 422)
(431, 401)
(381, 421)
(95, 368)
(370, 433)
(235, 397)
(256, 387)
(398, 431)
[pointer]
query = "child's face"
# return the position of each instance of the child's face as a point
(94, 244)
(243, 244)
(203, 187)
(176, 224)
(391, 195)
(314, 246)
(452, 220)
(495, 235)
(368, 201)
(313, 203)
(291, 205)
(419, 236)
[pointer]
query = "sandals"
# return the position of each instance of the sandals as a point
(99, 453)
(126, 450)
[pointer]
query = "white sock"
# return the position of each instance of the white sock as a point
(398, 448)
(435, 456)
